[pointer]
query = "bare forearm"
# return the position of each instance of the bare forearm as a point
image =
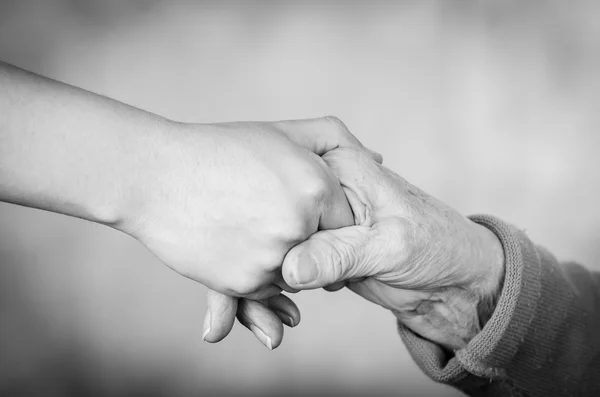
(67, 150)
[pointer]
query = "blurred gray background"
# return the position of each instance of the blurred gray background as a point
(492, 106)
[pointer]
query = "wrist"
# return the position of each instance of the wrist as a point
(448, 318)
(150, 172)
(468, 308)
(452, 316)
(488, 265)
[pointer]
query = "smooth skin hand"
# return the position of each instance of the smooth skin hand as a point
(221, 204)
(264, 312)
(233, 199)
(316, 201)
(436, 270)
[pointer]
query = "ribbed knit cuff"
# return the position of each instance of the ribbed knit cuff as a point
(491, 351)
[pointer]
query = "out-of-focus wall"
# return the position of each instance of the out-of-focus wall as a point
(491, 106)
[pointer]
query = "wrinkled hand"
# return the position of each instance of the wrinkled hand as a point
(408, 252)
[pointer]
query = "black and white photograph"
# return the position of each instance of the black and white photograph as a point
(299, 198)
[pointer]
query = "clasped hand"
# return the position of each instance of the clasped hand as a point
(298, 205)
(222, 204)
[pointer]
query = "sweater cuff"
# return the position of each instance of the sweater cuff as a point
(491, 351)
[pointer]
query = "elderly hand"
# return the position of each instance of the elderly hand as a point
(436, 270)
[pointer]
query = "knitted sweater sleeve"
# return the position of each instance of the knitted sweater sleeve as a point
(543, 338)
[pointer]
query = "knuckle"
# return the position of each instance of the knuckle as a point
(316, 188)
(272, 258)
(295, 235)
(245, 289)
(289, 230)
(242, 286)
(341, 132)
(337, 124)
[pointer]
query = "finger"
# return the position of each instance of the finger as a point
(331, 256)
(264, 293)
(335, 286)
(264, 324)
(354, 180)
(285, 309)
(323, 134)
(335, 208)
(219, 317)
(362, 179)
(280, 282)
(287, 288)
(347, 139)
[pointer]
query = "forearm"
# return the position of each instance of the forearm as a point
(542, 339)
(70, 151)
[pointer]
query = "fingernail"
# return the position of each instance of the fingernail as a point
(306, 269)
(287, 319)
(207, 319)
(262, 337)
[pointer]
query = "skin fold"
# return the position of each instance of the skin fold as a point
(407, 251)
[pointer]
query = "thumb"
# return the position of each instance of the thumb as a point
(328, 257)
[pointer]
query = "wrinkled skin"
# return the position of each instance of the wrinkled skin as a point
(407, 252)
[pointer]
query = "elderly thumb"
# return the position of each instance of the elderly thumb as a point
(328, 257)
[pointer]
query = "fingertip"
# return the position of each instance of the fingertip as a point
(308, 265)
(285, 318)
(285, 309)
(300, 269)
(219, 317)
(335, 286)
(263, 337)
(206, 331)
(213, 336)
(282, 285)
(208, 338)
(288, 269)
(264, 324)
